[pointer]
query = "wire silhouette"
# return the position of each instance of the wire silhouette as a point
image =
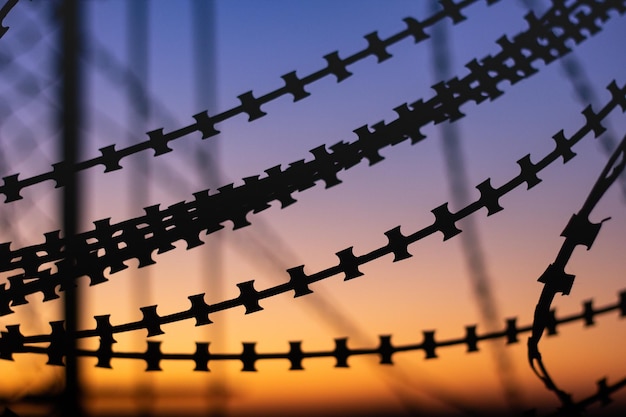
(349, 263)
(575, 73)
(17, 343)
(579, 231)
(254, 196)
(475, 258)
(250, 105)
(186, 221)
(3, 14)
(187, 226)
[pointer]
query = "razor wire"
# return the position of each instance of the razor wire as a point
(584, 91)
(547, 46)
(579, 231)
(266, 248)
(351, 352)
(3, 14)
(157, 230)
(475, 258)
(12, 342)
(602, 396)
(179, 222)
(349, 263)
(110, 157)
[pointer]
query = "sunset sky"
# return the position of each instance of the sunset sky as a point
(256, 42)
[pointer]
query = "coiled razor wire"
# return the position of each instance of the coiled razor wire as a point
(584, 14)
(109, 246)
(349, 263)
(579, 231)
(602, 396)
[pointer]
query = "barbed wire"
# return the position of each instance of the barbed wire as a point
(349, 263)
(560, 16)
(579, 231)
(179, 222)
(249, 357)
(583, 89)
(109, 246)
(110, 157)
(3, 14)
(13, 342)
(602, 396)
(475, 258)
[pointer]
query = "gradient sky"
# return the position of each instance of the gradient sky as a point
(255, 43)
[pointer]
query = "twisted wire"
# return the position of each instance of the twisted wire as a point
(110, 158)
(109, 246)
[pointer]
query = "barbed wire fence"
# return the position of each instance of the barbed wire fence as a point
(50, 268)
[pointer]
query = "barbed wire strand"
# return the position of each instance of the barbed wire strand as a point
(574, 71)
(579, 231)
(3, 14)
(248, 357)
(263, 246)
(139, 109)
(185, 221)
(26, 36)
(444, 222)
(31, 28)
(209, 169)
(258, 248)
(249, 104)
(471, 245)
(349, 263)
(12, 342)
(603, 396)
